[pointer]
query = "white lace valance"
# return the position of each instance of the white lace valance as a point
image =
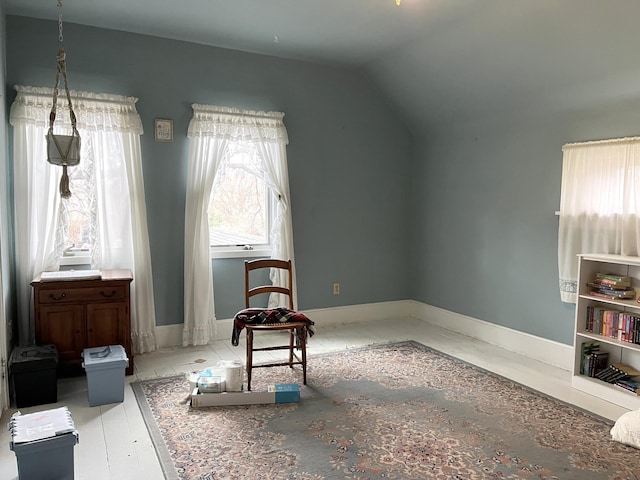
(218, 122)
(94, 111)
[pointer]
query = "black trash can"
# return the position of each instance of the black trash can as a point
(33, 375)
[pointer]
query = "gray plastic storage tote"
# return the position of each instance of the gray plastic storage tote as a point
(105, 367)
(43, 443)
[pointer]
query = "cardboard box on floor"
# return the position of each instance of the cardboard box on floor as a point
(281, 393)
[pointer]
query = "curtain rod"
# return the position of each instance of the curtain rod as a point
(79, 96)
(602, 142)
(232, 111)
(245, 115)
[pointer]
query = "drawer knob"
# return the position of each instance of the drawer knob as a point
(107, 295)
(53, 297)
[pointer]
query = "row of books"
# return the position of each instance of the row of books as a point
(621, 375)
(630, 385)
(617, 371)
(594, 363)
(612, 287)
(623, 326)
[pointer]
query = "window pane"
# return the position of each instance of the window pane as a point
(79, 207)
(238, 210)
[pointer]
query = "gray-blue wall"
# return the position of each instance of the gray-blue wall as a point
(485, 192)
(349, 155)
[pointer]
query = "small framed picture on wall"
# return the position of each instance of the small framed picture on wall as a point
(164, 130)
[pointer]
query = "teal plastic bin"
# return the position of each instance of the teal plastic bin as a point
(105, 367)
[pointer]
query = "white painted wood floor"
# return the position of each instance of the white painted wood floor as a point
(114, 443)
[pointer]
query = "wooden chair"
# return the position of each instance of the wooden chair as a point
(298, 330)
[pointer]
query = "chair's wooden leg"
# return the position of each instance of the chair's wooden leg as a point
(249, 357)
(303, 346)
(292, 335)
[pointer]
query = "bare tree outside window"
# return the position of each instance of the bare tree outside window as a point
(239, 207)
(79, 209)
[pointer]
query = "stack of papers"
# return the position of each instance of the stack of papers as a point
(41, 425)
(71, 275)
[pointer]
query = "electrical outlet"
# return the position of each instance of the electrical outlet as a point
(336, 288)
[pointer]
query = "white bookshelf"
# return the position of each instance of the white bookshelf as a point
(619, 351)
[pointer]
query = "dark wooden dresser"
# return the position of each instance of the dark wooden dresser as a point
(78, 314)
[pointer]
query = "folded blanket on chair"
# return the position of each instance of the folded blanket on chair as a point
(262, 316)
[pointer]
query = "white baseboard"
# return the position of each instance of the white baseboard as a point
(359, 313)
(547, 351)
(171, 335)
(538, 348)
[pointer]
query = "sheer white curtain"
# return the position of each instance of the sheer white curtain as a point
(110, 130)
(274, 157)
(210, 130)
(599, 204)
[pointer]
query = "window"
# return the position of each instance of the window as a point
(241, 204)
(78, 214)
(237, 185)
(105, 217)
(599, 204)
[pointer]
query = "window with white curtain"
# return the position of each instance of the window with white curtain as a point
(222, 138)
(107, 214)
(242, 204)
(599, 204)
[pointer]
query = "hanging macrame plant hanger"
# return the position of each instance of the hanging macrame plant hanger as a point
(62, 150)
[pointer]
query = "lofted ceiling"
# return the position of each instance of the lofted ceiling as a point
(437, 61)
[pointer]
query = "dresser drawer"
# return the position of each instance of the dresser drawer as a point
(82, 295)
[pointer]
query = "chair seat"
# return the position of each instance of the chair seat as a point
(261, 320)
(277, 326)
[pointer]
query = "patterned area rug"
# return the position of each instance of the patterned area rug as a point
(397, 411)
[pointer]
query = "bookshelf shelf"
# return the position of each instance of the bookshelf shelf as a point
(612, 341)
(632, 304)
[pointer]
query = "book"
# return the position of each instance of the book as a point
(631, 385)
(586, 349)
(612, 283)
(610, 296)
(632, 372)
(614, 278)
(607, 286)
(612, 374)
(597, 363)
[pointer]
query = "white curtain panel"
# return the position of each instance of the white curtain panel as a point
(36, 206)
(599, 204)
(110, 130)
(274, 156)
(210, 129)
(205, 155)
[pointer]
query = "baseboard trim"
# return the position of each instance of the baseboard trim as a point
(171, 335)
(541, 349)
